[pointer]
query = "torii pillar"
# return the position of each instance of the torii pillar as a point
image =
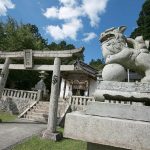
(51, 133)
(4, 75)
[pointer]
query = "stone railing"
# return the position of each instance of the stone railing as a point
(123, 102)
(79, 102)
(19, 101)
(21, 94)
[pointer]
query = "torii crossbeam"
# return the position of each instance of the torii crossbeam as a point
(28, 56)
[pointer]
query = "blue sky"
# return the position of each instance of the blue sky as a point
(78, 22)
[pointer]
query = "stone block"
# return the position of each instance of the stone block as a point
(127, 134)
(123, 91)
(52, 136)
(132, 112)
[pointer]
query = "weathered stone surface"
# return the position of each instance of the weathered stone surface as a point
(100, 95)
(131, 112)
(39, 67)
(120, 133)
(14, 105)
(53, 105)
(28, 63)
(42, 54)
(51, 136)
(17, 101)
(127, 91)
(124, 86)
(4, 74)
(114, 72)
(116, 50)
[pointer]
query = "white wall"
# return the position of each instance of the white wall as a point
(62, 88)
(92, 87)
(68, 91)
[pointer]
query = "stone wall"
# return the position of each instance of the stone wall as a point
(16, 101)
(14, 105)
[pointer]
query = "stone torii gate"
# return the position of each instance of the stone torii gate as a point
(28, 56)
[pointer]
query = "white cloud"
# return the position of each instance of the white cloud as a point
(4, 5)
(89, 36)
(68, 30)
(68, 2)
(52, 12)
(63, 13)
(93, 9)
(71, 10)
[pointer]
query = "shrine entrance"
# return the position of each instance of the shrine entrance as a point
(28, 56)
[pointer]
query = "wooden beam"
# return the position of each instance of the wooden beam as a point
(39, 67)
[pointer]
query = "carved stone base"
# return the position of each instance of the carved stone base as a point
(113, 132)
(52, 136)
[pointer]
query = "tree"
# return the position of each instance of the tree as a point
(17, 37)
(143, 22)
(97, 64)
(64, 46)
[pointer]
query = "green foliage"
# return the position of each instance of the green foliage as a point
(97, 64)
(5, 117)
(64, 46)
(17, 37)
(41, 144)
(22, 79)
(143, 22)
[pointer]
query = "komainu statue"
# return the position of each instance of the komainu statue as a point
(123, 53)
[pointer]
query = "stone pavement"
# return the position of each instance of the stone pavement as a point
(14, 132)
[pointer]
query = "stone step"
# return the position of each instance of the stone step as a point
(40, 104)
(33, 120)
(41, 107)
(43, 103)
(39, 111)
(47, 103)
(36, 118)
(38, 114)
(46, 107)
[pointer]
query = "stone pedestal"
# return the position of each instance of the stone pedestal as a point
(114, 131)
(51, 133)
(52, 136)
(123, 92)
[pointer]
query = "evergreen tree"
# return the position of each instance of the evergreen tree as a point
(64, 46)
(97, 64)
(143, 22)
(17, 37)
